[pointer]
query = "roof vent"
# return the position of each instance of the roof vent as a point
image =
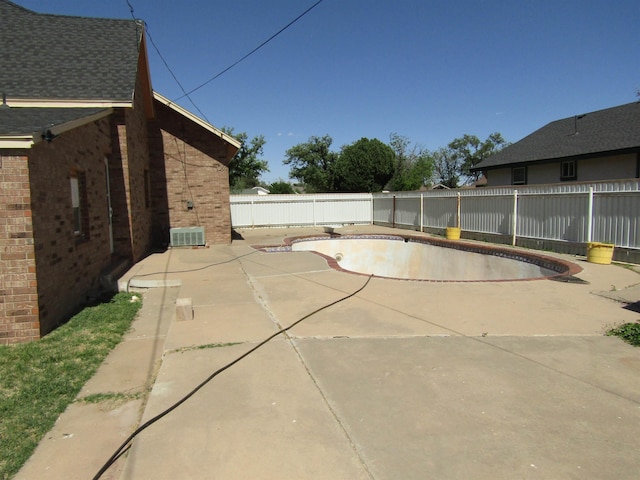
(187, 236)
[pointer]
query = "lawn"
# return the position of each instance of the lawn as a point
(39, 379)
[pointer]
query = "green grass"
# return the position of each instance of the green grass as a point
(39, 379)
(629, 332)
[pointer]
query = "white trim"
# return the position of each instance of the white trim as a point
(66, 103)
(186, 113)
(16, 142)
(27, 141)
(70, 125)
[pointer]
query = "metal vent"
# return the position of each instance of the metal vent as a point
(187, 236)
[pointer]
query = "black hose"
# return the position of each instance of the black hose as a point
(125, 445)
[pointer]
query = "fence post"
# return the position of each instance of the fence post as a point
(458, 212)
(393, 213)
(314, 211)
(422, 212)
(590, 215)
(514, 227)
(373, 210)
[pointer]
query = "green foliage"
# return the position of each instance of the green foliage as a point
(468, 151)
(454, 162)
(446, 167)
(413, 165)
(312, 163)
(280, 187)
(629, 332)
(39, 379)
(364, 166)
(246, 167)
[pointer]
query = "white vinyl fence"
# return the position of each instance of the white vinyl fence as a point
(301, 210)
(606, 212)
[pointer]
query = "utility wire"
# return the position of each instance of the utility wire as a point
(125, 445)
(166, 64)
(186, 94)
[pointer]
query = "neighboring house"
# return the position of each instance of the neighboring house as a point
(601, 145)
(95, 167)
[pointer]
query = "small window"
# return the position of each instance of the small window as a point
(519, 175)
(79, 204)
(568, 170)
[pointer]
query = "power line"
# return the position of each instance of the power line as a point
(146, 28)
(186, 94)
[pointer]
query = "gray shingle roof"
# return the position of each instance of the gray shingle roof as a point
(28, 121)
(60, 57)
(609, 130)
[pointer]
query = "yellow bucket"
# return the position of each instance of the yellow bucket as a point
(601, 253)
(453, 233)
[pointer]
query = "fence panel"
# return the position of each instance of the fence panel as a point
(546, 212)
(616, 217)
(300, 210)
(440, 211)
(488, 214)
(553, 216)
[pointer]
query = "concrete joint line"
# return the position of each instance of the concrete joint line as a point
(325, 400)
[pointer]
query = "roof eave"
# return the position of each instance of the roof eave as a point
(204, 124)
(67, 103)
(12, 142)
(145, 77)
(537, 161)
(28, 140)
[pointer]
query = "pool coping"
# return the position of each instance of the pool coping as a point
(564, 268)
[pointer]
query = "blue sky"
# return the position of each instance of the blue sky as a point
(429, 70)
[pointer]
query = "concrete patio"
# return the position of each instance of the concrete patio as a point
(404, 380)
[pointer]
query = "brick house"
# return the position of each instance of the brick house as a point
(95, 167)
(595, 146)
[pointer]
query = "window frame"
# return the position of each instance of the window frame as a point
(522, 168)
(79, 205)
(572, 167)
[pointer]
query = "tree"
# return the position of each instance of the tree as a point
(246, 167)
(468, 151)
(280, 186)
(364, 166)
(413, 165)
(446, 167)
(312, 164)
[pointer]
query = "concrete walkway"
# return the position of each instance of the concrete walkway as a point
(403, 380)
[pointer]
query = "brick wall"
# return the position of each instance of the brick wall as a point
(68, 265)
(189, 164)
(18, 295)
(130, 164)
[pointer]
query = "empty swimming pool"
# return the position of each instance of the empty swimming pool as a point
(424, 258)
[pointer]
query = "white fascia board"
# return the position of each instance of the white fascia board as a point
(65, 127)
(47, 103)
(27, 141)
(204, 124)
(16, 142)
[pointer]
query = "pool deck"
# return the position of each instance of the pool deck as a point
(403, 380)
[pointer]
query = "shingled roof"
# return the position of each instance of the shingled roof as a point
(613, 130)
(63, 58)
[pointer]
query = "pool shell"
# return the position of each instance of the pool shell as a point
(556, 269)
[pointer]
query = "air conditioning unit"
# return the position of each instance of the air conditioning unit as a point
(187, 236)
